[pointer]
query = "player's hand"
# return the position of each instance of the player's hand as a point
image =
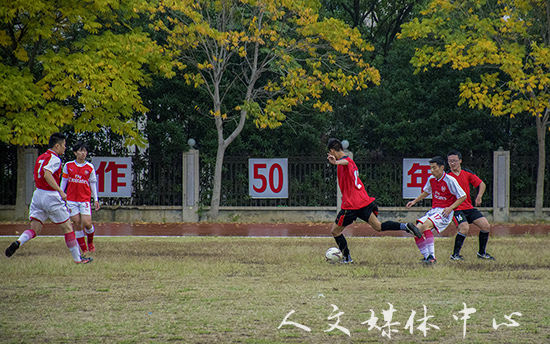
(410, 204)
(447, 211)
(478, 201)
(63, 195)
(96, 205)
(331, 158)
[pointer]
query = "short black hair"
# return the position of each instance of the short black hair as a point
(455, 152)
(438, 160)
(79, 145)
(55, 139)
(335, 144)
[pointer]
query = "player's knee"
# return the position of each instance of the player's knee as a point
(336, 231)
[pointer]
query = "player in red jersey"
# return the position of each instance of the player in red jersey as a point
(356, 203)
(48, 200)
(466, 214)
(447, 195)
(80, 182)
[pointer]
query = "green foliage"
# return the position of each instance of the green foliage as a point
(513, 36)
(69, 63)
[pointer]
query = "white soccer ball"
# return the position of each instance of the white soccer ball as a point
(334, 255)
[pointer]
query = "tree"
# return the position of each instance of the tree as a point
(511, 39)
(70, 63)
(260, 60)
(378, 20)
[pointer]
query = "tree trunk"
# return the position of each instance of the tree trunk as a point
(542, 123)
(222, 146)
(20, 198)
(216, 191)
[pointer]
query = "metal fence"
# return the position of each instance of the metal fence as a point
(8, 174)
(312, 181)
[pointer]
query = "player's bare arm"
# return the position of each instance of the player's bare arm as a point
(333, 160)
(423, 195)
(480, 193)
(48, 176)
(447, 211)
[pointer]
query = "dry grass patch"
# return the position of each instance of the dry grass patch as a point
(239, 290)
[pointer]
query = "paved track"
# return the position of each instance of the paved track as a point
(258, 229)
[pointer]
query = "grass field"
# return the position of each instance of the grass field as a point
(240, 290)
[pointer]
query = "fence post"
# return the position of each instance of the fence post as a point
(190, 184)
(501, 185)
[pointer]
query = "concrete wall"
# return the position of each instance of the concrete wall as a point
(171, 214)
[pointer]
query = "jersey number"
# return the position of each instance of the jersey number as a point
(41, 162)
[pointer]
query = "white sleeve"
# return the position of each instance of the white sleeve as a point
(93, 186)
(54, 164)
(63, 185)
(93, 183)
(428, 187)
(64, 180)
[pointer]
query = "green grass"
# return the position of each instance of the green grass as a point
(239, 290)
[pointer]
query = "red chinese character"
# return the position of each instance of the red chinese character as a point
(419, 175)
(114, 168)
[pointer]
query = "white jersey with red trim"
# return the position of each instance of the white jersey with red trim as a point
(79, 177)
(445, 190)
(47, 161)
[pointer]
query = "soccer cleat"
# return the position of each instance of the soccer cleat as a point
(485, 256)
(430, 260)
(347, 260)
(12, 248)
(91, 247)
(411, 228)
(85, 260)
(456, 257)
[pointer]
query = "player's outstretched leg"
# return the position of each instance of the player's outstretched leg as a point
(412, 229)
(23, 238)
(12, 248)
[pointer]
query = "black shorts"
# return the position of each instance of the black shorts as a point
(469, 215)
(346, 216)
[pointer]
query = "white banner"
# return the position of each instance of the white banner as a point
(268, 178)
(415, 175)
(114, 176)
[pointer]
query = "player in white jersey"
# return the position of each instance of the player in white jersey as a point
(80, 182)
(446, 197)
(48, 200)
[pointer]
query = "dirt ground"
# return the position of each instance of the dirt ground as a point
(260, 229)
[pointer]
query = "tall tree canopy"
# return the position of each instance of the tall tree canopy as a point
(67, 62)
(71, 63)
(261, 60)
(509, 38)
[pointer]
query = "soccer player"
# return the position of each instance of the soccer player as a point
(356, 203)
(466, 214)
(447, 195)
(48, 200)
(80, 182)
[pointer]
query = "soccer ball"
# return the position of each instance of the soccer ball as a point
(333, 255)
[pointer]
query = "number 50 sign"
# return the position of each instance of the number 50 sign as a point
(268, 178)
